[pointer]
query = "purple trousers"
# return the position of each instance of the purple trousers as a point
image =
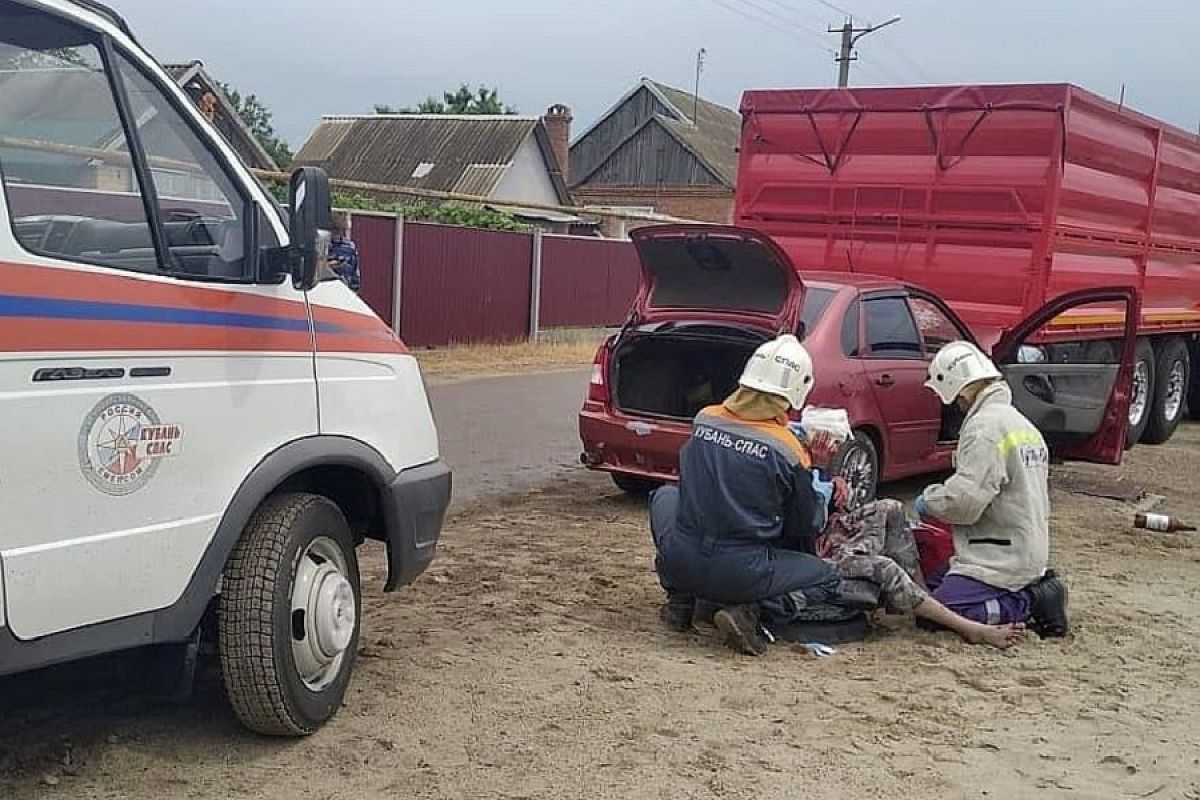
(978, 601)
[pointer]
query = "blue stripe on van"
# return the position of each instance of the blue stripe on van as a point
(56, 308)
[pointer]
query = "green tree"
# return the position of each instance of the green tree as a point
(258, 119)
(463, 100)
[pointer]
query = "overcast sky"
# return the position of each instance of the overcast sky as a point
(306, 58)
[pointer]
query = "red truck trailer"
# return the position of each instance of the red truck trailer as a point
(998, 198)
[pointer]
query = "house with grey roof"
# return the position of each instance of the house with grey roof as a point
(506, 158)
(659, 149)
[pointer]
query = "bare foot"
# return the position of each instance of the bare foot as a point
(998, 636)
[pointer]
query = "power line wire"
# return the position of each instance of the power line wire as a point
(917, 70)
(838, 9)
(787, 8)
(771, 21)
(776, 17)
(882, 74)
(786, 20)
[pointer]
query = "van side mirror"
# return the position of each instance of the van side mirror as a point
(311, 222)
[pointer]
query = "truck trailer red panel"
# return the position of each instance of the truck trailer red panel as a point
(997, 197)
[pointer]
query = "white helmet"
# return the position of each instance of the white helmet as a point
(780, 367)
(957, 366)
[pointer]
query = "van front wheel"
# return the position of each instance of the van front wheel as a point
(289, 616)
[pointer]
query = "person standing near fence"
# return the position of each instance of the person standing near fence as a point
(343, 253)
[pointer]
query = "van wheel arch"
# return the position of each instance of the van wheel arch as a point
(298, 463)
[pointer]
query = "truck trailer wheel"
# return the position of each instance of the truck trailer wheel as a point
(1142, 394)
(289, 616)
(1193, 401)
(1172, 376)
(858, 463)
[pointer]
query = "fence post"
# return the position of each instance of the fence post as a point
(535, 287)
(397, 275)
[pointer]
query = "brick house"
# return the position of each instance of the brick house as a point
(659, 149)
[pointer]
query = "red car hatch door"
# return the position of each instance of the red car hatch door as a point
(720, 272)
(1070, 367)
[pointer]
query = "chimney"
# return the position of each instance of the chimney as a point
(558, 126)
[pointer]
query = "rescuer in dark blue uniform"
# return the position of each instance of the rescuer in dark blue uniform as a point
(739, 529)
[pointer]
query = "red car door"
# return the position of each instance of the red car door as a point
(893, 358)
(1080, 404)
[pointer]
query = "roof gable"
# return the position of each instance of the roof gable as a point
(654, 155)
(712, 137)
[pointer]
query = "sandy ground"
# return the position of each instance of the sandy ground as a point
(529, 663)
(557, 350)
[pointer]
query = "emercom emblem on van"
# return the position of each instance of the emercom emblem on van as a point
(122, 442)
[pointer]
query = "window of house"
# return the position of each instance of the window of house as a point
(890, 330)
(68, 177)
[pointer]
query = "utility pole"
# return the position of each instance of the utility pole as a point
(700, 54)
(850, 37)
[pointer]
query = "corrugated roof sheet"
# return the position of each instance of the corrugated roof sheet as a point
(480, 179)
(388, 148)
(709, 130)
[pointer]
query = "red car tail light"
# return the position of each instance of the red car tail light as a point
(598, 391)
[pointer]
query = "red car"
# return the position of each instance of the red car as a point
(710, 295)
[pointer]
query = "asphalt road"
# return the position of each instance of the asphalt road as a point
(508, 434)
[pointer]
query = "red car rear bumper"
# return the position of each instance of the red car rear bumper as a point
(632, 446)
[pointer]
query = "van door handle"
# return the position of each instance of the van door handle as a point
(885, 380)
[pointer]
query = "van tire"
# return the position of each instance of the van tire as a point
(1143, 360)
(1172, 374)
(858, 461)
(633, 485)
(287, 535)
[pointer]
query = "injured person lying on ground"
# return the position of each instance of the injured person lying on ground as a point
(739, 535)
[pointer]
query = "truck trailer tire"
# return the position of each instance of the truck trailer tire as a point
(1193, 403)
(289, 616)
(858, 463)
(1172, 376)
(1141, 400)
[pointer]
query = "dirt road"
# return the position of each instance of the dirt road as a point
(529, 663)
(508, 433)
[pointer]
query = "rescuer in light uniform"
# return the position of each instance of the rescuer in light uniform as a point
(997, 500)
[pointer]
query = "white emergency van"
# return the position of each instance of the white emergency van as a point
(197, 417)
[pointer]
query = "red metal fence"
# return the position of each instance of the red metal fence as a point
(375, 237)
(464, 285)
(460, 285)
(586, 281)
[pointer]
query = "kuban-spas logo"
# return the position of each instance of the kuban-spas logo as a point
(122, 442)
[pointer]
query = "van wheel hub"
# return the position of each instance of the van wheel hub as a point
(324, 615)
